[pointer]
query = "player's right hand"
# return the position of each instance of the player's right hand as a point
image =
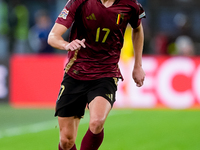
(75, 45)
(138, 75)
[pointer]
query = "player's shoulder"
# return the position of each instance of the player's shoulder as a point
(74, 3)
(133, 3)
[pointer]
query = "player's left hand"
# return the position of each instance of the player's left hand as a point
(138, 76)
(75, 45)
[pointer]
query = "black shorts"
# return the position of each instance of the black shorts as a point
(75, 94)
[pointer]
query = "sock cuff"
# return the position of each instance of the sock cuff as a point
(95, 135)
(59, 147)
(73, 148)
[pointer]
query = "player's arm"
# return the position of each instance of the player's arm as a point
(138, 73)
(56, 40)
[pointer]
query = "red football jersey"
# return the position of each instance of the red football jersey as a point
(103, 28)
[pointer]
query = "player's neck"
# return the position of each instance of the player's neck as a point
(107, 3)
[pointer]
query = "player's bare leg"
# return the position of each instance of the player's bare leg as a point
(68, 132)
(99, 110)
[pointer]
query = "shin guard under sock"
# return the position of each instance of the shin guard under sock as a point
(92, 141)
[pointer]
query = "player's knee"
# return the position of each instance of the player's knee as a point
(96, 125)
(67, 142)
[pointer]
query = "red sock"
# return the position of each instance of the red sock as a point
(59, 148)
(92, 141)
(73, 148)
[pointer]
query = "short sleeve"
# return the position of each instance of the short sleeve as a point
(137, 16)
(67, 15)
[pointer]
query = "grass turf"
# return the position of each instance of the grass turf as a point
(128, 129)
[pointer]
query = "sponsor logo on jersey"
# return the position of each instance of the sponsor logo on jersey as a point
(120, 18)
(64, 13)
(91, 17)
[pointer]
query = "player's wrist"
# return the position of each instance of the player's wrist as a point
(65, 46)
(137, 65)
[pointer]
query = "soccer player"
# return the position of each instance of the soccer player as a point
(92, 71)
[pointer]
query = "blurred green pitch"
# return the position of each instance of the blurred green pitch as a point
(125, 129)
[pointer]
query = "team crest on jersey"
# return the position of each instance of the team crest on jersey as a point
(64, 13)
(120, 18)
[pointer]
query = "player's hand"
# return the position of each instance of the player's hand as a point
(138, 75)
(75, 45)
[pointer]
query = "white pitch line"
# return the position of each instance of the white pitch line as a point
(42, 126)
(33, 128)
(37, 127)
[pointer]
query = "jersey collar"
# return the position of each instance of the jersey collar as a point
(116, 1)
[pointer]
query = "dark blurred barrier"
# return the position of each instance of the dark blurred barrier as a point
(4, 69)
(171, 82)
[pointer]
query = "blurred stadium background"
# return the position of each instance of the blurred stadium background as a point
(162, 115)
